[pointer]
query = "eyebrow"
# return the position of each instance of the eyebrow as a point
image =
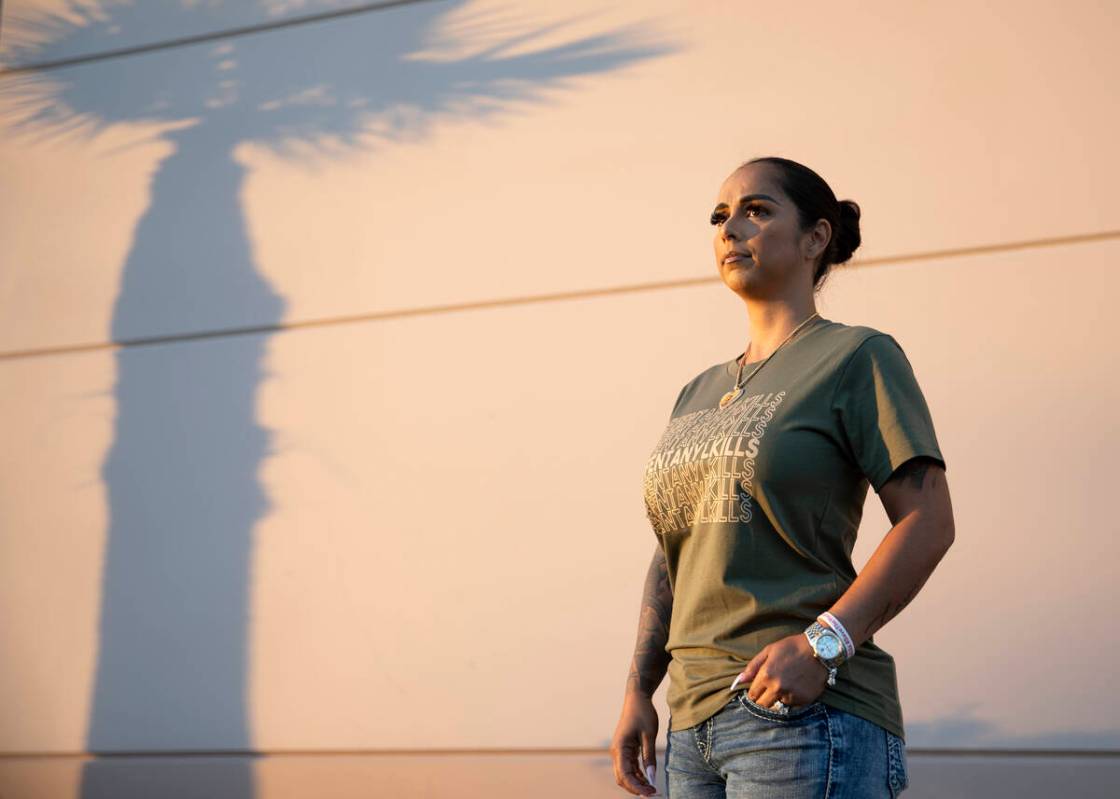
(747, 198)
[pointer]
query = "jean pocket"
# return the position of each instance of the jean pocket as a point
(898, 777)
(794, 713)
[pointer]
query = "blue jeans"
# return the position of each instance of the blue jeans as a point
(746, 751)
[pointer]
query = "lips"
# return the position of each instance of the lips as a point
(735, 256)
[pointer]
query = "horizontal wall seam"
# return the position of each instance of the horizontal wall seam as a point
(378, 316)
(202, 38)
(911, 751)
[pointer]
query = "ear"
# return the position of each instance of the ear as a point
(817, 239)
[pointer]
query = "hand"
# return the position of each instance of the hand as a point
(786, 670)
(632, 748)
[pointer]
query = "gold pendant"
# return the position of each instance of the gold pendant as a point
(729, 397)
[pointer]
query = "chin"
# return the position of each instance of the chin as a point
(736, 283)
(734, 276)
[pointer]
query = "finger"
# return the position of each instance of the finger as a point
(758, 688)
(632, 772)
(746, 675)
(751, 671)
(627, 774)
(766, 697)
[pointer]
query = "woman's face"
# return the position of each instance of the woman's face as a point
(759, 247)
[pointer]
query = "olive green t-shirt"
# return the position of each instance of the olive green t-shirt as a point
(757, 506)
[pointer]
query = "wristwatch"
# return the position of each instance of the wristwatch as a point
(827, 647)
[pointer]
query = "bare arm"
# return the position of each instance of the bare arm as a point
(651, 661)
(916, 499)
(633, 750)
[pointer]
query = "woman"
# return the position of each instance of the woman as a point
(755, 493)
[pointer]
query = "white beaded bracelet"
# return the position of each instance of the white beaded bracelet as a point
(838, 628)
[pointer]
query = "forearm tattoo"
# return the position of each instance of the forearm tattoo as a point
(650, 661)
(913, 474)
(892, 609)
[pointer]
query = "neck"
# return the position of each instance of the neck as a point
(769, 323)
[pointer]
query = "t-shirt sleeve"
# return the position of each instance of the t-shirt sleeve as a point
(883, 416)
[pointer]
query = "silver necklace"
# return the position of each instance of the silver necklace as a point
(734, 393)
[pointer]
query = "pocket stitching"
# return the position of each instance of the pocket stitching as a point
(759, 711)
(897, 776)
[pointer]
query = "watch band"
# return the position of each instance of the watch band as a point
(828, 619)
(817, 631)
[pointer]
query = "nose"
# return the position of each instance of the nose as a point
(729, 230)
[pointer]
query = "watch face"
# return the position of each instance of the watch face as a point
(828, 646)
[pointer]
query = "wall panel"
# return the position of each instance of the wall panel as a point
(426, 531)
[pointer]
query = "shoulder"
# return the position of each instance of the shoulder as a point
(862, 342)
(866, 356)
(852, 337)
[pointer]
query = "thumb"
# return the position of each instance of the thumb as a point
(649, 758)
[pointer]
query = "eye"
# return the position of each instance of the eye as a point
(718, 218)
(753, 207)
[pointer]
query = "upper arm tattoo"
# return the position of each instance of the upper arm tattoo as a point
(920, 479)
(913, 472)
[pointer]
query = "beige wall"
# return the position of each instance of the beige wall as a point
(426, 530)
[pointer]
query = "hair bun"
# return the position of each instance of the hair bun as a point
(847, 236)
(815, 201)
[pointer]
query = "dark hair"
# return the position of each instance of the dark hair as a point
(815, 200)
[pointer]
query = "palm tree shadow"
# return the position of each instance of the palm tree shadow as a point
(181, 475)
